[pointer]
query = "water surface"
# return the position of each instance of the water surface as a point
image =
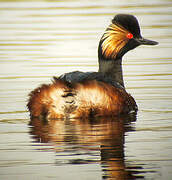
(42, 39)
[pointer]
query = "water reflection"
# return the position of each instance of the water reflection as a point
(89, 141)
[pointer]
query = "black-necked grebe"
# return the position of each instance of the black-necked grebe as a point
(91, 94)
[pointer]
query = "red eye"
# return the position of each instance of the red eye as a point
(129, 36)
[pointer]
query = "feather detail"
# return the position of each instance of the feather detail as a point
(90, 98)
(114, 39)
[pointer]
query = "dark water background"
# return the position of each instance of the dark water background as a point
(42, 39)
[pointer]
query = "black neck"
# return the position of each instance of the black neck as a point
(112, 68)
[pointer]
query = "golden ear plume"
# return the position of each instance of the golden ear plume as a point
(114, 39)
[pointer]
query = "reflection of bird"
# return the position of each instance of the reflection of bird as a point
(90, 94)
(100, 141)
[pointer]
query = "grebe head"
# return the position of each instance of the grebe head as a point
(120, 37)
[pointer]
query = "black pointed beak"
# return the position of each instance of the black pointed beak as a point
(143, 41)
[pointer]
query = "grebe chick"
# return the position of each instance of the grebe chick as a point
(91, 94)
